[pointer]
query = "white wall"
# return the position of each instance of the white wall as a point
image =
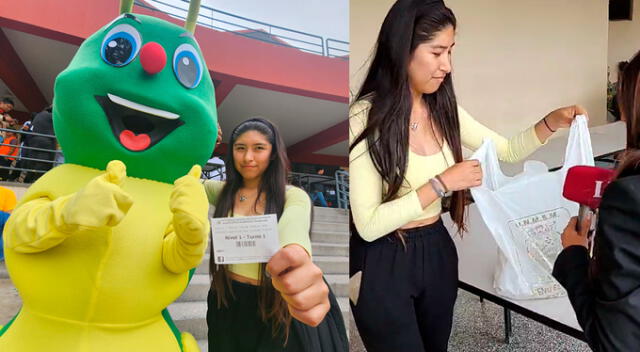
(514, 61)
(624, 40)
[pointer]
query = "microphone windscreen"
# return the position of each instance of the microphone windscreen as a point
(586, 184)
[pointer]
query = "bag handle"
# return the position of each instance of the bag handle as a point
(579, 150)
(492, 176)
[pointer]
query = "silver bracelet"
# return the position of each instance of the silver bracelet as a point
(437, 187)
(439, 179)
(447, 191)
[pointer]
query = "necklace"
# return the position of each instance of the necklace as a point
(243, 197)
(432, 131)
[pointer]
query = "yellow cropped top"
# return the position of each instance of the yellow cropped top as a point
(374, 219)
(293, 226)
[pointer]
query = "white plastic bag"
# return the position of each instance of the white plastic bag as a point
(526, 215)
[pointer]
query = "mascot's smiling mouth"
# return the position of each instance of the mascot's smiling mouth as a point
(137, 127)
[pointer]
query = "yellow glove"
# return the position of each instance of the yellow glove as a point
(101, 202)
(43, 223)
(186, 240)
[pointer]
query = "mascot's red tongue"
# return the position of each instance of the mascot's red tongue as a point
(133, 142)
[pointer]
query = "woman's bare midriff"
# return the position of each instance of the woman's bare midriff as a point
(421, 222)
(243, 279)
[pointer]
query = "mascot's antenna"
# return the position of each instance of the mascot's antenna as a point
(126, 6)
(192, 16)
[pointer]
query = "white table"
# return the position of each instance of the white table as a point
(478, 252)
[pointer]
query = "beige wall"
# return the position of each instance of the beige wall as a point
(365, 19)
(514, 61)
(624, 40)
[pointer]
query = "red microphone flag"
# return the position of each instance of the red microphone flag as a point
(585, 185)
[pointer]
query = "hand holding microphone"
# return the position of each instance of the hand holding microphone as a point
(571, 236)
(584, 185)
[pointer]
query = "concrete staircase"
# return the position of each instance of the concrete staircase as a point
(330, 246)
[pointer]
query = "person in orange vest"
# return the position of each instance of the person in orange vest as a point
(8, 152)
(6, 105)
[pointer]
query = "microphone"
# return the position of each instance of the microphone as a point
(585, 186)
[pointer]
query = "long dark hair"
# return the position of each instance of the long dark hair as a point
(273, 185)
(408, 24)
(628, 99)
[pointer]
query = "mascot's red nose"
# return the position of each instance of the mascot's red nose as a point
(153, 58)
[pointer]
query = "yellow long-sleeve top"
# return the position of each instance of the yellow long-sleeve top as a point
(372, 217)
(293, 226)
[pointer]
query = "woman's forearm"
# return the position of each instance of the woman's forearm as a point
(544, 130)
(559, 118)
(427, 195)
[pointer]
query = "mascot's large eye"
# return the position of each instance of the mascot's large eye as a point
(120, 45)
(187, 65)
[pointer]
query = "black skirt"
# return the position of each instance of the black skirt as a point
(239, 327)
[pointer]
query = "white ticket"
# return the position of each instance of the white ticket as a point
(247, 239)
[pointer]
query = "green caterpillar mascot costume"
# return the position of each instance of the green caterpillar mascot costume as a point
(100, 246)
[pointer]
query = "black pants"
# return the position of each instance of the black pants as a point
(15, 174)
(239, 328)
(4, 173)
(407, 293)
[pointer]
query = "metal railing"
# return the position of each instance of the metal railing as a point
(246, 27)
(342, 189)
(17, 165)
(337, 48)
(314, 183)
(211, 171)
(307, 181)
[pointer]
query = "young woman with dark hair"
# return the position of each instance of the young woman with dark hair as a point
(280, 305)
(605, 290)
(406, 137)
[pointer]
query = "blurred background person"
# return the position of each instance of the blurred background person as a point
(43, 124)
(8, 152)
(6, 105)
